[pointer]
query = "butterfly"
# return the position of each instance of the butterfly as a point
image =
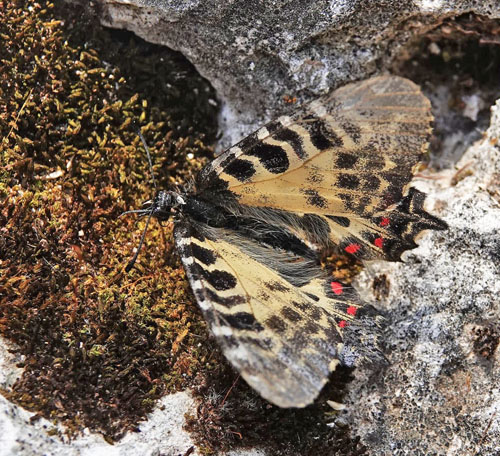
(251, 230)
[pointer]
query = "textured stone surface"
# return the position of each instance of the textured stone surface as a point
(440, 393)
(162, 433)
(255, 53)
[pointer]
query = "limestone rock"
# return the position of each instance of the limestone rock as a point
(440, 393)
(257, 53)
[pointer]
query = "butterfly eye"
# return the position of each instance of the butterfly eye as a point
(162, 214)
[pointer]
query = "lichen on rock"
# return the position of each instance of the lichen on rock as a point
(439, 394)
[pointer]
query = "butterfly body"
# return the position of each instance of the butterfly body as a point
(251, 231)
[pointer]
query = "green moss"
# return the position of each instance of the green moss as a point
(97, 342)
(97, 350)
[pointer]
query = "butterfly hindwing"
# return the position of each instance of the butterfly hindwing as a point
(347, 159)
(277, 317)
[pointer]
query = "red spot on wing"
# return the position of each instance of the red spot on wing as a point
(384, 222)
(351, 310)
(343, 323)
(379, 242)
(352, 248)
(337, 288)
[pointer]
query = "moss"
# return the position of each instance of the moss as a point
(453, 60)
(72, 95)
(230, 415)
(102, 346)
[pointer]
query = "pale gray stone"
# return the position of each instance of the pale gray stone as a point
(440, 394)
(255, 53)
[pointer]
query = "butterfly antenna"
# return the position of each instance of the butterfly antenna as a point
(149, 158)
(142, 212)
(131, 263)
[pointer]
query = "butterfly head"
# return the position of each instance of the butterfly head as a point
(160, 207)
(163, 203)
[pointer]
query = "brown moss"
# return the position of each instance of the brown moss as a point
(381, 287)
(465, 46)
(101, 346)
(452, 60)
(486, 340)
(231, 415)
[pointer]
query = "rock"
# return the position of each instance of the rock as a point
(162, 433)
(257, 54)
(440, 393)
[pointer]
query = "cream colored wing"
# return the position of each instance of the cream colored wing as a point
(278, 318)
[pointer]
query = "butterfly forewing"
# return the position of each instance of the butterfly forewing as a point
(347, 159)
(283, 337)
